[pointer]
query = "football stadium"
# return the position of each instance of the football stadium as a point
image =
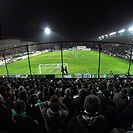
(66, 66)
(74, 59)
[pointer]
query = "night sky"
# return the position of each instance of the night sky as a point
(68, 20)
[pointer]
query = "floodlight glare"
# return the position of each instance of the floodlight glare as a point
(121, 31)
(47, 30)
(130, 29)
(100, 38)
(113, 33)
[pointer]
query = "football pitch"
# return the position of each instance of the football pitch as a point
(77, 62)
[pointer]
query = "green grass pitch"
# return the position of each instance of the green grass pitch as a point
(81, 62)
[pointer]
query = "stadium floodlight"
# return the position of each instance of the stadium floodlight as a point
(106, 36)
(112, 33)
(47, 31)
(102, 36)
(130, 29)
(121, 31)
(99, 38)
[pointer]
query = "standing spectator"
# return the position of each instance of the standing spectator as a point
(107, 110)
(67, 99)
(10, 101)
(22, 122)
(23, 95)
(89, 121)
(36, 112)
(5, 116)
(125, 119)
(78, 103)
(121, 100)
(54, 116)
(49, 93)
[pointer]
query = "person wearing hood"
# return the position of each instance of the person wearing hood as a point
(54, 116)
(89, 121)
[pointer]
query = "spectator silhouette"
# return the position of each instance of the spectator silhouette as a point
(22, 122)
(54, 116)
(89, 121)
(78, 103)
(121, 100)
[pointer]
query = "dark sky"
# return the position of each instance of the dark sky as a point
(68, 20)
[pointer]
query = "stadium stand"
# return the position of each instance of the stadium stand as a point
(20, 96)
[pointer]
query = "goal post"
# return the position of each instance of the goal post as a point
(54, 68)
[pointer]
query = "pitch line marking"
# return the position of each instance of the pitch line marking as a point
(86, 69)
(115, 67)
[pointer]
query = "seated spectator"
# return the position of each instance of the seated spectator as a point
(89, 121)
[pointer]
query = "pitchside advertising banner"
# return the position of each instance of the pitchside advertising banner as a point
(77, 76)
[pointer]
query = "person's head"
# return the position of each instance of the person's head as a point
(40, 95)
(106, 94)
(67, 92)
(19, 106)
(123, 92)
(91, 104)
(51, 89)
(54, 103)
(82, 93)
(23, 95)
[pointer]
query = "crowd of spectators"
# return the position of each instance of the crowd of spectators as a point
(41, 105)
(118, 50)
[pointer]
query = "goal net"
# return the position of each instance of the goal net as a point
(51, 68)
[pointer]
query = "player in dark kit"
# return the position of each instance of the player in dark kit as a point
(66, 71)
